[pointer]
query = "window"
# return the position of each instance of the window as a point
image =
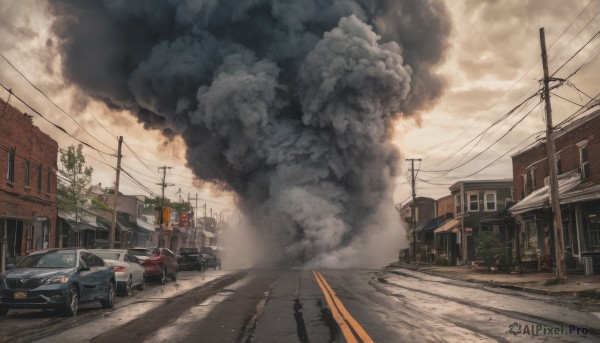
(490, 201)
(457, 203)
(585, 165)
(39, 178)
(10, 175)
(558, 165)
(26, 175)
(529, 181)
(473, 202)
(48, 179)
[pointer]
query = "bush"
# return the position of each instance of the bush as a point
(442, 261)
(490, 248)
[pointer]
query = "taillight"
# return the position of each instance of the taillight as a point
(117, 269)
(150, 262)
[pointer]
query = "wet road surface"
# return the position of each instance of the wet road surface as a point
(390, 305)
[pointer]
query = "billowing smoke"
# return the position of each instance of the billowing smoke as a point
(288, 103)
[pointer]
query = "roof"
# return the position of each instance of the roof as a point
(431, 224)
(500, 216)
(472, 182)
(448, 226)
(540, 197)
(575, 124)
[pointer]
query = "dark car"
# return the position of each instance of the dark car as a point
(189, 258)
(159, 263)
(211, 258)
(59, 279)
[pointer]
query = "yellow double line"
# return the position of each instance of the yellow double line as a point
(350, 328)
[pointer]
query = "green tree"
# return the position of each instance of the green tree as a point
(72, 193)
(490, 248)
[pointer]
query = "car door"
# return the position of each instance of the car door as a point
(92, 280)
(170, 261)
(86, 277)
(137, 271)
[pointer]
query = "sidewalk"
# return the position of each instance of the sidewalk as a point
(581, 286)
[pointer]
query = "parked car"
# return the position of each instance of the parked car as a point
(159, 263)
(59, 279)
(211, 258)
(128, 269)
(189, 258)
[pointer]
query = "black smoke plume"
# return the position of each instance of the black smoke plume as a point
(291, 104)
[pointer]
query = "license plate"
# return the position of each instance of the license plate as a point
(20, 295)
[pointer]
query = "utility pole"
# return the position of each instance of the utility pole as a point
(413, 219)
(113, 225)
(554, 191)
(162, 203)
(195, 215)
(203, 225)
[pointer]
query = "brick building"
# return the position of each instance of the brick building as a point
(28, 165)
(578, 164)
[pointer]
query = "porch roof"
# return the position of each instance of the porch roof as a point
(431, 224)
(447, 226)
(540, 197)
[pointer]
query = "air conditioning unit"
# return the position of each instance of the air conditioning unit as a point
(508, 202)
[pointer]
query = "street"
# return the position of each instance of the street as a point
(389, 305)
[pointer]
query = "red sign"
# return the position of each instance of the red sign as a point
(183, 219)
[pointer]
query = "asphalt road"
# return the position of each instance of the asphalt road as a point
(298, 305)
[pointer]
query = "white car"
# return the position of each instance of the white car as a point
(128, 269)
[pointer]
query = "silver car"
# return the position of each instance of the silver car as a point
(128, 269)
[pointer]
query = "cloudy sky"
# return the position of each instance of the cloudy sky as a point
(492, 64)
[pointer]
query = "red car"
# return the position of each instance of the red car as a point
(159, 263)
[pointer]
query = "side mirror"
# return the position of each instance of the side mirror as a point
(83, 268)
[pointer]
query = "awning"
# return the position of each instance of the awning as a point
(86, 222)
(142, 224)
(447, 226)
(538, 198)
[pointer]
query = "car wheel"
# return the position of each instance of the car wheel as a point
(3, 311)
(72, 302)
(174, 276)
(129, 286)
(163, 276)
(109, 302)
(142, 284)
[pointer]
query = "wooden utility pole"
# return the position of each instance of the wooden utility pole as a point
(413, 219)
(203, 238)
(113, 226)
(554, 190)
(162, 204)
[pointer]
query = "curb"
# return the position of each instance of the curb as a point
(423, 268)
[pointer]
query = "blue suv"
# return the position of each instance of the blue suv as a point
(58, 279)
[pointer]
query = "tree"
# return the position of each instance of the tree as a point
(72, 193)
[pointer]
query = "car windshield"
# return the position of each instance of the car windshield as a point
(107, 255)
(144, 252)
(188, 251)
(51, 259)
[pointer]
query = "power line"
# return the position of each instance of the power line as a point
(51, 123)
(575, 54)
(51, 101)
